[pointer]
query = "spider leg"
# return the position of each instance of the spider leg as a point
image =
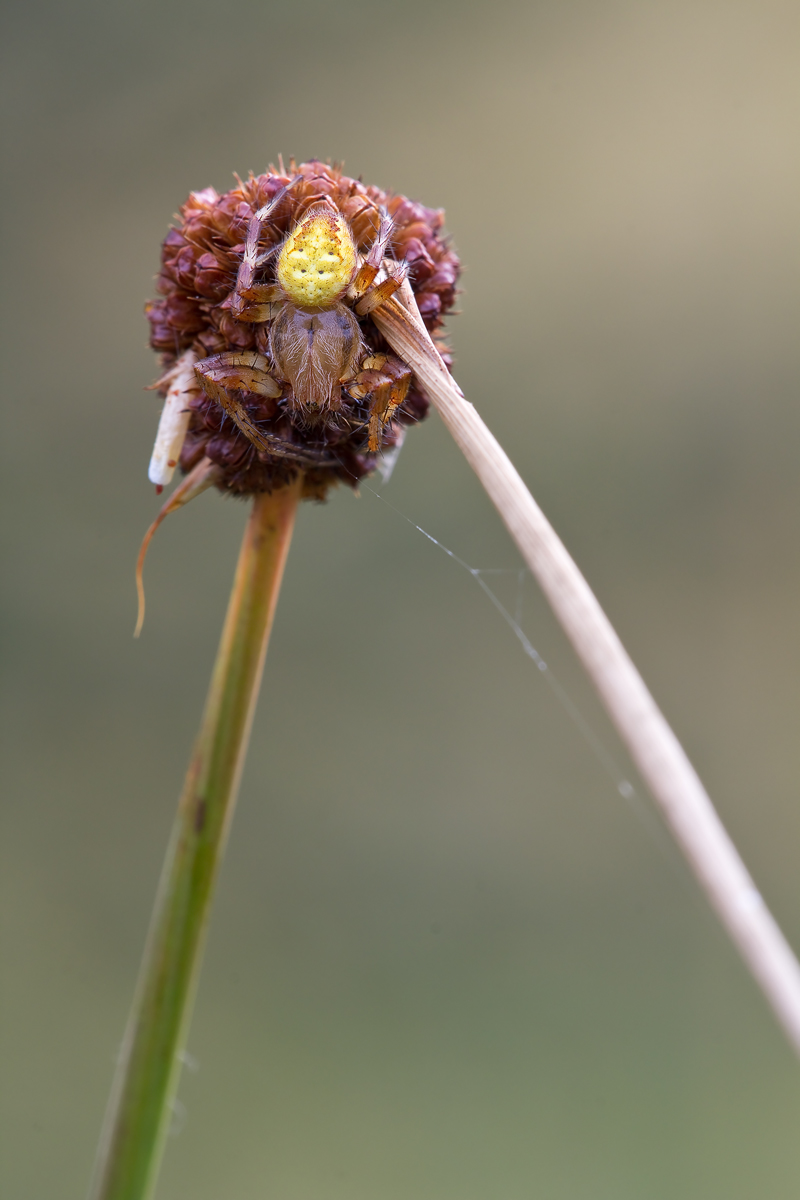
(387, 380)
(245, 370)
(366, 273)
(307, 456)
(257, 303)
(251, 259)
(379, 293)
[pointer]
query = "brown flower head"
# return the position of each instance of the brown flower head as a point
(256, 407)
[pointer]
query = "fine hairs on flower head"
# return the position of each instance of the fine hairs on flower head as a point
(271, 363)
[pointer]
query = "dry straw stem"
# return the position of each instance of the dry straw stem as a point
(144, 1088)
(654, 748)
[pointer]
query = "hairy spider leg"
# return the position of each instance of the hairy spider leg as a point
(253, 301)
(364, 291)
(375, 256)
(387, 380)
(243, 369)
(379, 293)
(247, 370)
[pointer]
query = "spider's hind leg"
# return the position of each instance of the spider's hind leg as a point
(387, 380)
(244, 370)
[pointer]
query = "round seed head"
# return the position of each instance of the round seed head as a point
(332, 219)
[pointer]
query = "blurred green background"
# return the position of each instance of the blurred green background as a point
(447, 960)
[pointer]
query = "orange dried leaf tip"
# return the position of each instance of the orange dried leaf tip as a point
(204, 476)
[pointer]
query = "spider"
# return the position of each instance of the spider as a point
(315, 342)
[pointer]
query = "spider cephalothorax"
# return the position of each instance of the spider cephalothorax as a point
(267, 292)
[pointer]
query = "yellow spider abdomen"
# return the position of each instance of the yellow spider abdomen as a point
(318, 260)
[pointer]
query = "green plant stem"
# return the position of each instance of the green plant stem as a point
(140, 1107)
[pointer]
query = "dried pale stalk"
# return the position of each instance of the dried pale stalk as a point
(654, 748)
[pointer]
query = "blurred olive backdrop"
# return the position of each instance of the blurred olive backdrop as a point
(447, 960)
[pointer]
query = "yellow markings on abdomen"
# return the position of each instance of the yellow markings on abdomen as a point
(318, 260)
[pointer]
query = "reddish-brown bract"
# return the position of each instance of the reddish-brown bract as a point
(201, 308)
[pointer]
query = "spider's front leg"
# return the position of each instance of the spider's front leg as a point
(364, 291)
(243, 370)
(387, 379)
(253, 301)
